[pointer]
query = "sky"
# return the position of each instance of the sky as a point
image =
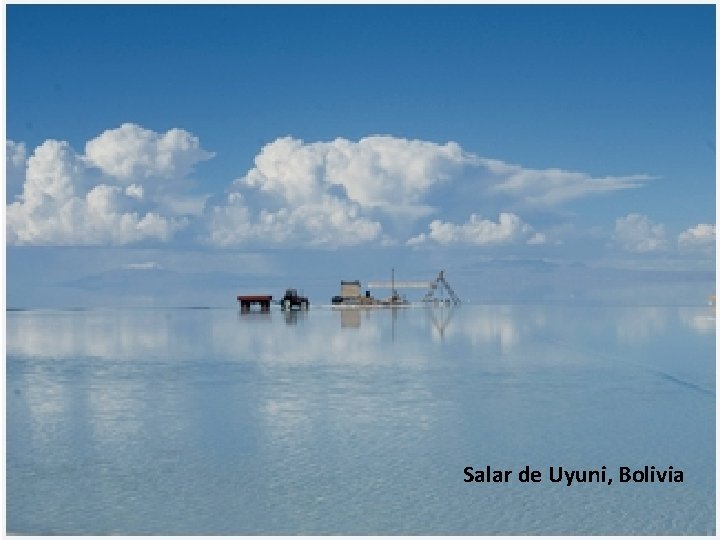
(180, 155)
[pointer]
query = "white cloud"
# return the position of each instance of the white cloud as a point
(551, 187)
(131, 152)
(537, 239)
(149, 265)
(324, 192)
(135, 191)
(327, 223)
(375, 171)
(50, 173)
(15, 154)
(65, 201)
(132, 183)
(390, 183)
(700, 236)
(15, 162)
(391, 172)
(481, 232)
(637, 233)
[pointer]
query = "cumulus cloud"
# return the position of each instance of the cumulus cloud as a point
(375, 171)
(550, 187)
(638, 234)
(66, 200)
(131, 152)
(385, 171)
(480, 232)
(326, 223)
(135, 191)
(15, 154)
(700, 236)
(132, 183)
(15, 161)
(391, 182)
(326, 193)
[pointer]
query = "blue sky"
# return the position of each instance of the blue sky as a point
(244, 147)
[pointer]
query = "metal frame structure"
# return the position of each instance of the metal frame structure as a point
(441, 286)
(438, 286)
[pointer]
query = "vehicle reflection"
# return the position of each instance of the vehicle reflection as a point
(439, 315)
(255, 315)
(350, 318)
(292, 316)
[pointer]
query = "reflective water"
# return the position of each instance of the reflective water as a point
(357, 422)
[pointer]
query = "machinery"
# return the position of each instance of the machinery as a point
(439, 290)
(292, 300)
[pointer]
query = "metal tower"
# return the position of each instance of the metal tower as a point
(441, 287)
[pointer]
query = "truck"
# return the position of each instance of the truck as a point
(292, 300)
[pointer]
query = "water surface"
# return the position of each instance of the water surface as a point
(208, 421)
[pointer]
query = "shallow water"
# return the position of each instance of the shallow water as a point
(208, 421)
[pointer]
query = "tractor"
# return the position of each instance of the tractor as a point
(292, 300)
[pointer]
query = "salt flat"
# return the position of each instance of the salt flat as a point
(178, 421)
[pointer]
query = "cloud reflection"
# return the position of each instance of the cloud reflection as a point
(305, 337)
(266, 416)
(700, 321)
